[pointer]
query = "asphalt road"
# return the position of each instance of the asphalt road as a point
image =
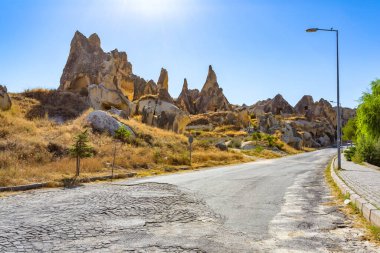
(248, 195)
(280, 205)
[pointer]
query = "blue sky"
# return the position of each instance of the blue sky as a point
(257, 48)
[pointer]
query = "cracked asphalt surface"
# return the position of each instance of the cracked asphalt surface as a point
(276, 205)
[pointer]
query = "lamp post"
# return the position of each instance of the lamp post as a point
(337, 89)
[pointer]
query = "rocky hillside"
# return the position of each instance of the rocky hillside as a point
(307, 124)
(105, 81)
(109, 82)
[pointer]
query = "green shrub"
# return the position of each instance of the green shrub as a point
(369, 150)
(349, 153)
(235, 143)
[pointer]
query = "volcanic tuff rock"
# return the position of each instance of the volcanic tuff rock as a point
(211, 97)
(5, 100)
(346, 113)
(186, 100)
(89, 64)
(304, 104)
(102, 98)
(278, 105)
(162, 114)
(103, 122)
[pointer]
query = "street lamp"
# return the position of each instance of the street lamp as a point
(337, 88)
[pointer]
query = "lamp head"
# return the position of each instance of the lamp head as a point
(311, 30)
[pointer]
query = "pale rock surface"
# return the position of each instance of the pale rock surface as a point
(103, 122)
(162, 114)
(5, 100)
(102, 98)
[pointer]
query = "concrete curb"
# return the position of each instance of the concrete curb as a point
(369, 211)
(23, 187)
(81, 180)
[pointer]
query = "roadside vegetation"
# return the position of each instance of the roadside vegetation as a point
(364, 129)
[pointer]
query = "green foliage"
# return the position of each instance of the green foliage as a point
(369, 150)
(235, 143)
(271, 140)
(259, 149)
(367, 125)
(368, 113)
(81, 148)
(349, 130)
(349, 153)
(123, 135)
(256, 136)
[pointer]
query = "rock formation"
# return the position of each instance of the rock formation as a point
(346, 114)
(304, 105)
(163, 86)
(211, 97)
(277, 106)
(89, 64)
(162, 114)
(187, 98)
(5, 100)
(103, 122)
(102, 98)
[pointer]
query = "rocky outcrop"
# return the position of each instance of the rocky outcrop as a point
(5, 100)
(346, 114)
(162, 114)
(163, 80)
(163, 87)
(211, 97)
(304, 105)
(89, 64)
(277, 106)
(102, 98)
(187, 98)
(211, 120)
(102, 121)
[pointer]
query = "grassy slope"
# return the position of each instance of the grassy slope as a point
(35, 150)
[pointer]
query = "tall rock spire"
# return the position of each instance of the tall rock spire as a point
(211, 97)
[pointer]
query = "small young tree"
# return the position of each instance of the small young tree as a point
(256, 136)
(81, 149)
(124, 136)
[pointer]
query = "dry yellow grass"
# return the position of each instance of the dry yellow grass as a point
(35, 149)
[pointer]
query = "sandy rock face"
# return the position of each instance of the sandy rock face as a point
(89, 64)
(5, 100)
(103, 122)
(211, 97)
(162, 114)
(102, 98)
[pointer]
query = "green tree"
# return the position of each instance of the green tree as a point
(256, 136)
(349, 130)
(81, 149)
(123, 135)
(368, 125)
(368, 113)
